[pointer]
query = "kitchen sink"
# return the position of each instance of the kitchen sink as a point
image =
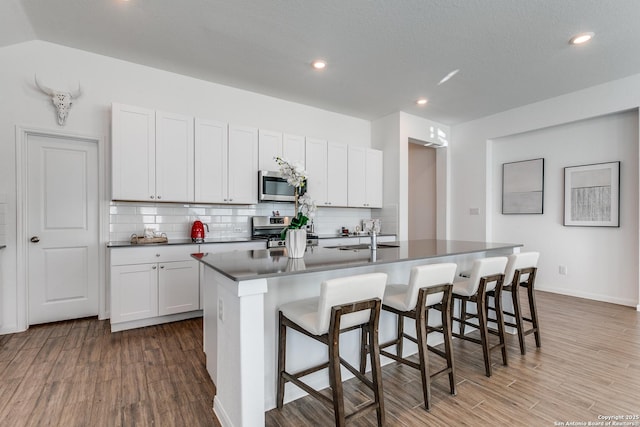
(364, 246)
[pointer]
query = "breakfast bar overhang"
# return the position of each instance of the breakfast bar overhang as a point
(243, 289)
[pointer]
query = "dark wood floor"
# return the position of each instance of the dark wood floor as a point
(77, 373)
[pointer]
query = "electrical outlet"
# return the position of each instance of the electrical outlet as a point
(220, 310)
(562, 270)
(237, 230)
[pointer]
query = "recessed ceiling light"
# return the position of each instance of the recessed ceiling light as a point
(448, 76)
(581, 38)
(319, 64)
(422, 101)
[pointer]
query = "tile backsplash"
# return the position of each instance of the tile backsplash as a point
(225, 221)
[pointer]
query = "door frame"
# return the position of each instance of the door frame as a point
(22, 248)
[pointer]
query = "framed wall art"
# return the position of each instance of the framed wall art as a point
(592, 195)
(523, 187)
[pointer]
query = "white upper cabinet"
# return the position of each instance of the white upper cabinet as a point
(174, 158)
(326, 164)
(211, 165)
(226, 163)
(152, 155)
(133, 153)
(374, 179)
(365, 177)
(357, 176)
(243, 165)
(269, 146)
(293, 148)
(316, 166)
(337, 165)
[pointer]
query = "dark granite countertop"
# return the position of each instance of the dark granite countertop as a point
(342, 236)
(254, 264)
(125, 244)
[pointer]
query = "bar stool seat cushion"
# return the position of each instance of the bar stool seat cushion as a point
(481, 268)
(313, 314)
(304, 313)
(518, 261)
(405, 297)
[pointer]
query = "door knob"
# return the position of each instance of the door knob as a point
(35, 239)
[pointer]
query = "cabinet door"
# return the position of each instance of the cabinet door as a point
(357, 177)
(316, 166)
(293, 148)
(243, 165)
(210, 161)
(178, 287)
(174, 157)
(269, 146)
(134, 292)
(337, 174)
(374, 178)
(133, 157)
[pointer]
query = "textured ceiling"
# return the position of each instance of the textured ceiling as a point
(382, 54)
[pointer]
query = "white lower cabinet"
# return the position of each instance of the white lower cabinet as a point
(150, 282)
(134, 292)
(178, 287)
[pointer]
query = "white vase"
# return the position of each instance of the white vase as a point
(296, 242)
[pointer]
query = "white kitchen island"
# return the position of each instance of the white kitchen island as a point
(243, 289)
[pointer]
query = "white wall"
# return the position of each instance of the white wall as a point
(580, 249)
(105, 80)
(391, 134)
(472, 184)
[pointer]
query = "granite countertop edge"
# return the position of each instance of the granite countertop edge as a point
(472, 247)
(127, 244)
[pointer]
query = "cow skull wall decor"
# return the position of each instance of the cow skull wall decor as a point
(61, 100)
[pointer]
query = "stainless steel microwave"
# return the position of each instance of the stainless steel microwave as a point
(273, 187)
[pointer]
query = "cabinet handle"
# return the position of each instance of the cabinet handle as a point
(154, 267)
(162, 266)
(159, 197)
(152, 197)
(157, 255)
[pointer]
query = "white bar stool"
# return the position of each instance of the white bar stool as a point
(486, 275)
(521, 272)
(344, 304)
(429, 287)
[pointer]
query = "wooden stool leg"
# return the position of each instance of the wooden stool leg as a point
(282, 351)
(363, 348)
(463, 315)
(534, 312)
(482, 325)
(500, 322)
(422, 318)
(400, 336)
(335, 378)
(448, 343)
(376, 373)
(517, 312)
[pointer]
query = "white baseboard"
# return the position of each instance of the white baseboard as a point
(116, 327)
(589, 295)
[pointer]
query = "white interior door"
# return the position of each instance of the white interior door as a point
(62, 226)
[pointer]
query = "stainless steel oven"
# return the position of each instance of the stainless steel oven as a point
(269, 227)
(273, 187)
